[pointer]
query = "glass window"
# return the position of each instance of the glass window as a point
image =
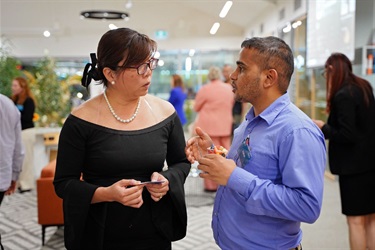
(192, 68)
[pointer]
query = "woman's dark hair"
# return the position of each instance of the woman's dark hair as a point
(339, 72)
(273, 53)
(115, 46)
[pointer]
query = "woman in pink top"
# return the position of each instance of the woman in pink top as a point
(213, 103)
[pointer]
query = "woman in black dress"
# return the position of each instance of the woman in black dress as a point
(350, 130)
(115, 141)
(24, 100)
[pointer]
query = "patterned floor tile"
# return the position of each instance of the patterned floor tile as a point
(20, 230)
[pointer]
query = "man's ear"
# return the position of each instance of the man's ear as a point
(109, 74)
(271, 78)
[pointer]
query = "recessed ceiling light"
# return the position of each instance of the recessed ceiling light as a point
(112, 26)
(225, 9)
(46, 33)
(129, 4)
(214, 28)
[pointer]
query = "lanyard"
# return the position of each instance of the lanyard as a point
(243, 155)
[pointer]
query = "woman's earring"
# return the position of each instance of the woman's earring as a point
(113, 82)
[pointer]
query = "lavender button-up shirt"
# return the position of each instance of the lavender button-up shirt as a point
(281, 185)
(11, 148)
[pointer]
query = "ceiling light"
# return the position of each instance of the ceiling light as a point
(104, 14)
(225, 9)
(111, 26)
(214, 28)
(46, 33)
(129, 4)
(287, 28)
(296, 24)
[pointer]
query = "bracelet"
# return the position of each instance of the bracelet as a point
(217, 150)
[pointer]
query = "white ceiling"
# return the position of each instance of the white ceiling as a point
(182, 19)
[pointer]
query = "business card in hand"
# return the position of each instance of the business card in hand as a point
(150, 182)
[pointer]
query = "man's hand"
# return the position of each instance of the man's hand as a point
(319, 123)
(196, 147)
(12, 188)
(216, 168)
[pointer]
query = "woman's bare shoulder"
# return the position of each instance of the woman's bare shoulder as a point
(87, 110)
(160, 107)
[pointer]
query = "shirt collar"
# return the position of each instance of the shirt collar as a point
(271, 112)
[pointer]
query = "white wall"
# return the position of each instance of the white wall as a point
(271, 22)
(365, 22)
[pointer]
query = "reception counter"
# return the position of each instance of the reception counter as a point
(37, 153)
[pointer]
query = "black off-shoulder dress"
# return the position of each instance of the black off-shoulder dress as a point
(104, 156)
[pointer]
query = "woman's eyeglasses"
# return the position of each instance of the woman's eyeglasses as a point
(142, 69)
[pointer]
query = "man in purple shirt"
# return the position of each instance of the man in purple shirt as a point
(272, 178)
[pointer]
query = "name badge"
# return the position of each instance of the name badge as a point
(244, 152)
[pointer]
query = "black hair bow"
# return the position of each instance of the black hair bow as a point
(90, 72)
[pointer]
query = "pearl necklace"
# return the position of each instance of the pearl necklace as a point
(116, 116)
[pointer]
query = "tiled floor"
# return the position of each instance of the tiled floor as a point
(330, 230)
(20, 231)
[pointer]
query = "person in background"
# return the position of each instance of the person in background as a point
(350, 129)
(190, 93)
(213, 103)
(238, 107)
(115, 141)
(178, 96)
(11, 148)
(25, 102)
(273, 175)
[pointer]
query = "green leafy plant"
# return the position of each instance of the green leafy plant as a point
(9, 68)
(51, 93)
(52, 96)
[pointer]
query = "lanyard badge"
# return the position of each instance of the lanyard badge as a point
(244, 152)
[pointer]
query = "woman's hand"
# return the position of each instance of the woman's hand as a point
(319, 123)
(196, 147)
(126, 192)
(157, 191)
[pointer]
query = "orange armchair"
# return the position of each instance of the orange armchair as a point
(50, 208)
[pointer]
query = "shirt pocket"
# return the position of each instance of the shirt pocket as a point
(264, 166)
